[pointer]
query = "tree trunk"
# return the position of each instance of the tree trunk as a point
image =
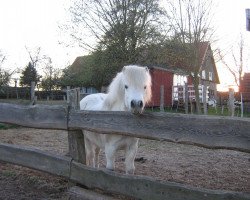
(197, 96)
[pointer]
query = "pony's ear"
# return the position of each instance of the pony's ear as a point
(124, 68)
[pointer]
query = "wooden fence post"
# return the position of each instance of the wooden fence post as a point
(68, 95)
(162, 99)
(16, 88)
(205, 98)
(75, 137)
(241, 105)
(191, 106)
(186, 98)
(231, 99)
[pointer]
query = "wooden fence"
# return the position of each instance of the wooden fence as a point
(205, 131)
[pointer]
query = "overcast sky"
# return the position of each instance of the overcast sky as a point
(34, 23)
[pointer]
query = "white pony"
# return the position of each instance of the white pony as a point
(130, 90)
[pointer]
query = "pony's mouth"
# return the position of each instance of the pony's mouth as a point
(136, 107)
(137, 111)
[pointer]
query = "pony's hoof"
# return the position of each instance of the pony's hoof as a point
(131, 171)
(110, 169)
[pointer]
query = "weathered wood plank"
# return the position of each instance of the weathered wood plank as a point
(75, 137)
(35, 159)
(77, 146)
(135, 186)
(206, 131)
(77, 193)
(38, 116)
(145, 188)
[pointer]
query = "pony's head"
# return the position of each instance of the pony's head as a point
(132, 87)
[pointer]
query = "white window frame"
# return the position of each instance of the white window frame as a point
(210, 76)
(203, 74)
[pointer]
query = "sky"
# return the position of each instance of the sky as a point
(34, 23)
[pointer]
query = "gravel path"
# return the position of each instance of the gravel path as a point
(196, 166)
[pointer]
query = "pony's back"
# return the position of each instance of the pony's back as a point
(93, 102)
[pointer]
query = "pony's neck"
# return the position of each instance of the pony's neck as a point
(118, 106)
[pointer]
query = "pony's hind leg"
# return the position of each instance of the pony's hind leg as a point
(90, 153)
(97, 151)
(110, 156)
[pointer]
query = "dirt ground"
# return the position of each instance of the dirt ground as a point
(196, 166)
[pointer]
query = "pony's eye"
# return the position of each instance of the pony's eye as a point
(145, 87)
(126, 87)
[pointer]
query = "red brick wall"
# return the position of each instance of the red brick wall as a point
(245, 87)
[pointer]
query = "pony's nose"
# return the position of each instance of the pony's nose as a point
(140, 104)
(136, 104)
(133, 104)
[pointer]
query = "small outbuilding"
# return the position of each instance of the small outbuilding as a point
(173, 81)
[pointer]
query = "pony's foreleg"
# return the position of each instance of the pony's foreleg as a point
(97, 151)
(131, 151)
(110, 156)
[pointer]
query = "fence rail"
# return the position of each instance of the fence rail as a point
(136, 186)
(206, 131)
(210, 132)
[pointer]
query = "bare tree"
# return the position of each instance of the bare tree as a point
(51, 76)
(238, 64)
(4, 74)
(37, 58)
(191, 24)
(2, 58)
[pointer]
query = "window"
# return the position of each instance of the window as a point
(203, 74)
(179, 79)
(210, 76)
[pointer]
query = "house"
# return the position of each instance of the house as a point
(77, 66)
(208, 71)
(174, 79)
(245, 87)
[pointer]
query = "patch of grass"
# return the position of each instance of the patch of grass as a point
(34, 180)
(8, 173)
(211, 111)
(27, 102)
(15, 101)
(7, 126)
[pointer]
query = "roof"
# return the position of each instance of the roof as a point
(174, 70)
(204, 49)
(78, 63)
